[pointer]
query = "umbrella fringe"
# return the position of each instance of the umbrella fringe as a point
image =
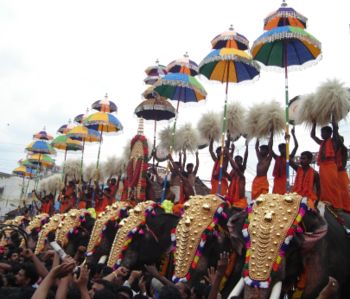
(230, 57)
(285, 36)
(292, 68)
(180, 83)
(286, 14)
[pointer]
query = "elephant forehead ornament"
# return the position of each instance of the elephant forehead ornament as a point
(269, 229)
(37, 222)
(111, 213)
(48, 227)
(72, 221)
(127, 228)
(201, 214)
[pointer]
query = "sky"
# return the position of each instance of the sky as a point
(58, 57)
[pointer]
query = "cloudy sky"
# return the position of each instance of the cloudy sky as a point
(57, 57)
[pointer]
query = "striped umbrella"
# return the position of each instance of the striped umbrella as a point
(83, 134)
(230, 39)
(65, 128)
(183, 65)
(289, 48)
(42, 135)
(40, 147)
(285, 16)
(154, 72)
(104, 105)
(102, 122)
(42, 160)
(228, 65)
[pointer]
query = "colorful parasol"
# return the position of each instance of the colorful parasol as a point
(65, 128)
(24, 171)
(83, 134)
(63, 142)
(184, 66)
(40, 147)
(27, 163)
(104, 105)
(285, 16)
(42, 135)
(149, 93)
(102, 122)
(156, 109)
(80, 117)
(230, 39)
(228, 65)
(286, 47)
(180, 87)
(42, 160)
(155, 72)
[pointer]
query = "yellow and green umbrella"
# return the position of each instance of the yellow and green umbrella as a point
(228, 65)
(102, 122)
(42, 160)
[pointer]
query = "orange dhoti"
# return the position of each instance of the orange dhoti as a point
(215, 186)
(240, 203)
(260, 186)
(329, 184)
(343, 183)
(279, 185)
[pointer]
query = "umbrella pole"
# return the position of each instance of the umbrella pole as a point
(223, 132)
(99, 151)
(171, 151)
(22, 189)
(64, 163)
(82, 158)
(154, 141)
(287, 138)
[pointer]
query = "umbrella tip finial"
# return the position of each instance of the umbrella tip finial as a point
(157, 61)
(284, 3)
(186, 54)
(231, 28)
(106, 95)
(69, 121)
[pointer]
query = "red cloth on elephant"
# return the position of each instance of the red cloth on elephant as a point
(260, 186)
(343, 182)
(304, 183)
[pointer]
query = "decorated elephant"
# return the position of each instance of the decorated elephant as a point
(143, 237)
(292, 250)
(104, 231)
(74, 230)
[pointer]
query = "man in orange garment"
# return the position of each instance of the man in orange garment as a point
(279, 170)
(236, 190)
(343, 178)
(260, 183)
(307, 180)
(216, 170)
(327, 162)
(68, 198)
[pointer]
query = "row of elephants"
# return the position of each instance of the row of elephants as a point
(258, 238)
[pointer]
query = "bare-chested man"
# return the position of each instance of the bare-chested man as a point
(264, 153)
(216, 170)
(176, 180)
(191, 173)
(236, 191)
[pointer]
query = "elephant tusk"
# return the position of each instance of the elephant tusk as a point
(276, 290)
(237, 290)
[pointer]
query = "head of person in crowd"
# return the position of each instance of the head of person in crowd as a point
(27, 275)
(169, 292)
